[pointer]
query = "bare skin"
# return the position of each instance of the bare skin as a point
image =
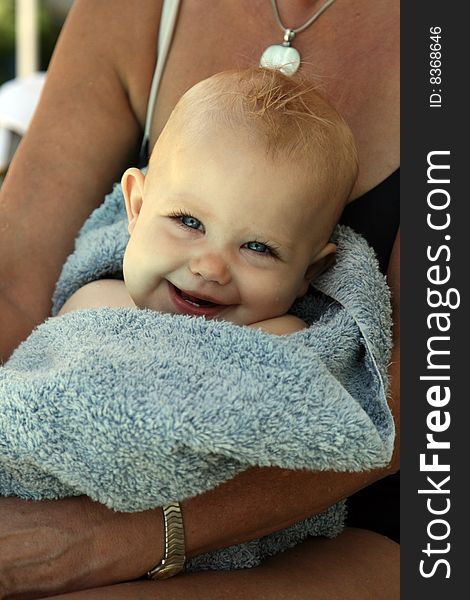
(317, 569)
(85, 133)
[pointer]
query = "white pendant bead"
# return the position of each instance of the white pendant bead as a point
(282, 58)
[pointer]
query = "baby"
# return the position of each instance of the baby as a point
(233, 219)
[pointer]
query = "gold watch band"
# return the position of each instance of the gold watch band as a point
(174, 555)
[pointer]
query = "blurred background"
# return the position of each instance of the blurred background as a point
(28, 32)
(50, 16)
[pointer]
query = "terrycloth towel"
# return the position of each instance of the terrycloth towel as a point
(136, 408)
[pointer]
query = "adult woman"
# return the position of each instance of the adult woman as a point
(86, 131)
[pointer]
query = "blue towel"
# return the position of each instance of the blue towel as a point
(136, 408)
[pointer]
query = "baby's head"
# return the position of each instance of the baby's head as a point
(245, 185)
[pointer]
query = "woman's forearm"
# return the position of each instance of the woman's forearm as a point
(260, 501)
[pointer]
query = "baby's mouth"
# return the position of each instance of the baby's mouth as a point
(190, 304)
(194, 300)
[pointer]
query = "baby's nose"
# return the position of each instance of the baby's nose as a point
(211, 267)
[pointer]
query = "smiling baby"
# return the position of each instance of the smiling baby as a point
(233, 218)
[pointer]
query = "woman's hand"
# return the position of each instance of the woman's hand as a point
(46, 549)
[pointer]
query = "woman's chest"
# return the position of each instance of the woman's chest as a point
(351, 52)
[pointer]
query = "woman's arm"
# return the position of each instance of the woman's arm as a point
(357, 565)
(75, 543)
(86, 131)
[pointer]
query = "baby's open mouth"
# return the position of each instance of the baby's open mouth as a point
(194, 305)
(195, 301)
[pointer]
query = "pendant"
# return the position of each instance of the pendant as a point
(282, 58)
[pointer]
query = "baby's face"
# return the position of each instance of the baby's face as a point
(219, 230)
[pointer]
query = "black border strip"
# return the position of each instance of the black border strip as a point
(434, 124)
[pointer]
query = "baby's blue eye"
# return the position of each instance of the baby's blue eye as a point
(191, 222)
(258, 247)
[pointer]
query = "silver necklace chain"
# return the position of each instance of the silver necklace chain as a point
(290, 33)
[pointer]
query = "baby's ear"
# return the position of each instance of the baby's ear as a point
(321, 262)
(132, 183)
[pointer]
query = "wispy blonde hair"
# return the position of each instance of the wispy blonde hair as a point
(287, 114)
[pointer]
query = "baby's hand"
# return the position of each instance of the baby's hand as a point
(281, 325)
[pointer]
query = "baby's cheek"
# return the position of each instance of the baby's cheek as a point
(280, 289)
(133, 276)
(271, 296)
